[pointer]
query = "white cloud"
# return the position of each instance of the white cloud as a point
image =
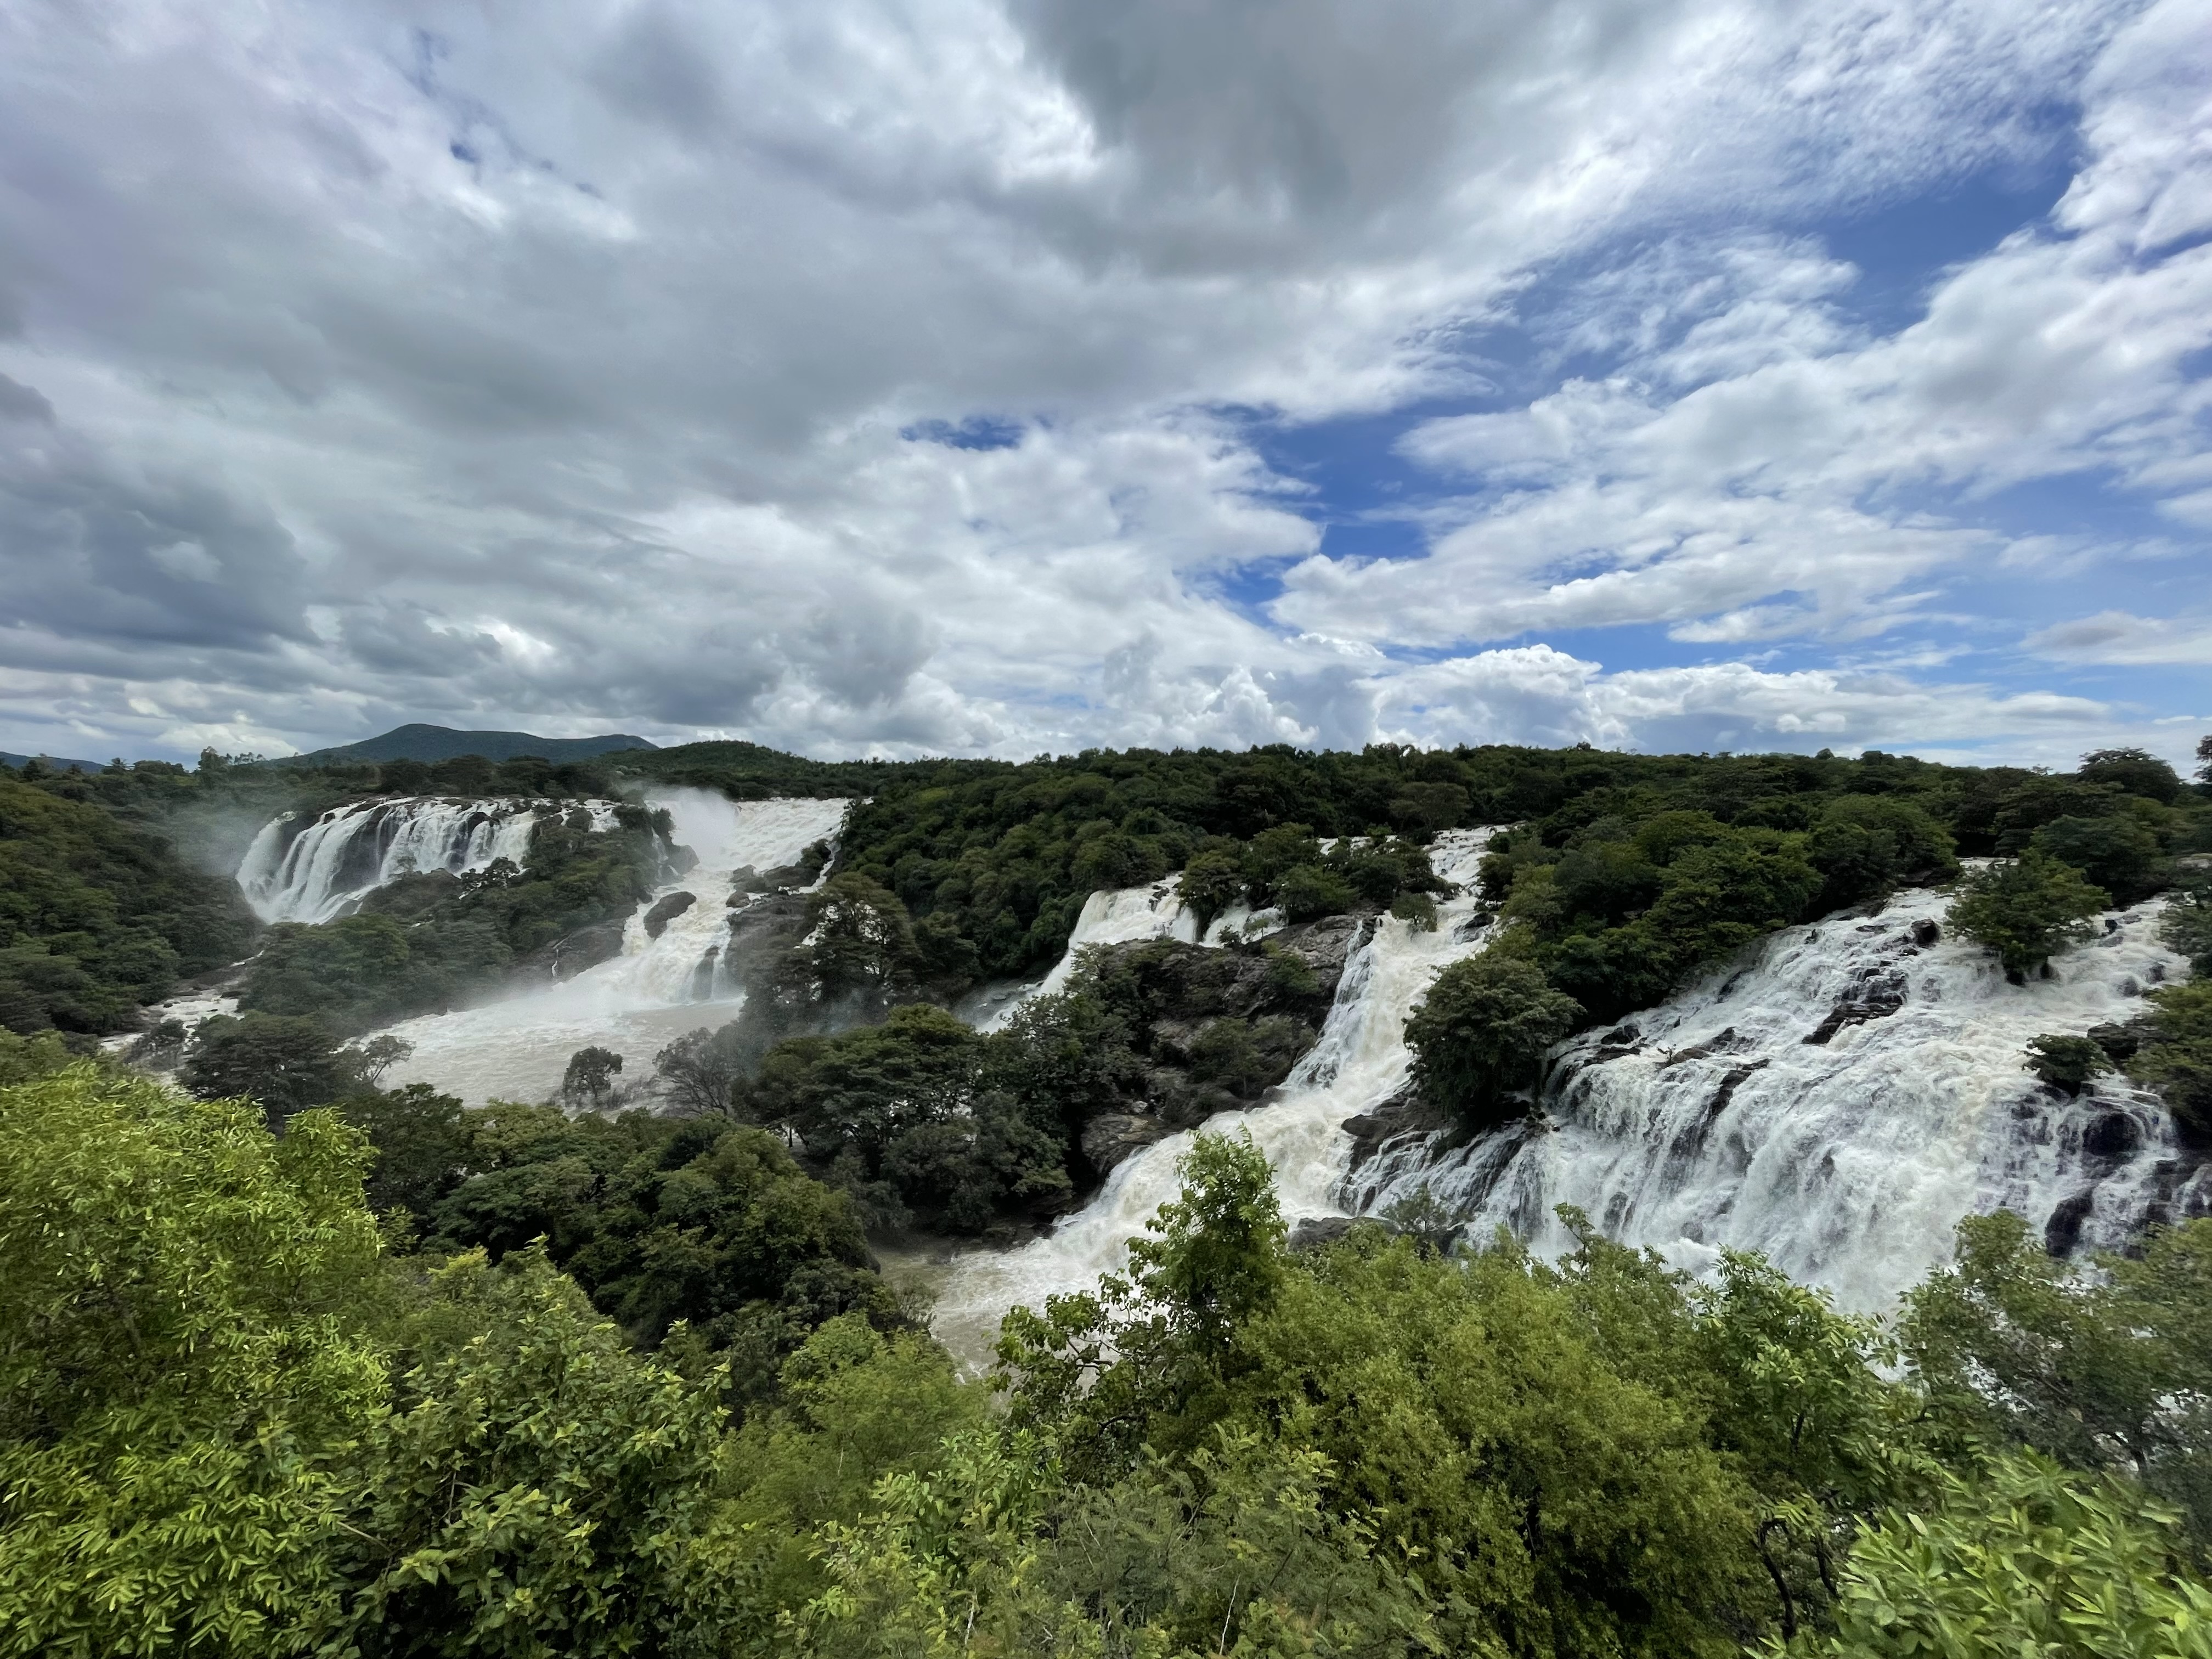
(366, 362)
(1756, 472)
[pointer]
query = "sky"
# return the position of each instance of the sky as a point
(1006, 377)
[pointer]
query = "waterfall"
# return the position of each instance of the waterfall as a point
(1838, 1099)
(1359, 1060)
(322, 869)
(1838, 1102)
(1124, 915)
(637, 1002)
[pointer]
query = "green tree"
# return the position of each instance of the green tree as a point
(2137, 771)
(2116, 851)
(2027, 909)
(862, 939)
(1865, 846)
(1210, 884)
(288, 1063)
(1481, 1033)
(421, 1141)
(2187, 925)
(589, 1079)
(182, 1369)
(2106, 1370)
(1309, 892)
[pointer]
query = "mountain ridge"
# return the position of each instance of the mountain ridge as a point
(421, 741)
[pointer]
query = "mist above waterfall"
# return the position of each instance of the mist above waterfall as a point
(657, 989)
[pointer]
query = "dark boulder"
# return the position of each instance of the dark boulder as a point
(1874, 993)
(1113, 1136)
(665, 910)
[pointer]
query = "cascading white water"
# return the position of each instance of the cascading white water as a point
(638, 1002)
(323, 870)
(1124, 915)
(1848, 1163)
(1359, 1060)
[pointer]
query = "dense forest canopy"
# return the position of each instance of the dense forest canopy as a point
(399, 1375)
(328, 1433)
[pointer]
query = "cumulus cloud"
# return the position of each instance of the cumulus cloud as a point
(895, 376)
(1758, 470)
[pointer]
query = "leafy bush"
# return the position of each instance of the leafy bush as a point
(2175, 1056)
(2066, 1062)
(1481, 1033)
(2027, 909)
(1867, 846)
(2021, 1557)
(285, 1062)
(175, 1392)
(2137, 771)
(2109, 1367)
(2187, 925)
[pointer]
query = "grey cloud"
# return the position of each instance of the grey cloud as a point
(19, 402)
(596, 423)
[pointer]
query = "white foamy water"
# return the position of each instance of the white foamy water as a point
(636, 1003)
(323, 870)
(1849, 1163)
(1359, 1060)
(1126, 915)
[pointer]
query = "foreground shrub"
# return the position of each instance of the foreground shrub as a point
(182, 1374)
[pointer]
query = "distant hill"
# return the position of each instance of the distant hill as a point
(439, 743)
(57, 762)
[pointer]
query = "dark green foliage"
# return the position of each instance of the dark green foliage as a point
(286, 1062)
(1482, 1032)
(588, 1079)
(420, 1140)
(658, 1221)
(2066, 1062)
(1311, 891)
(2187, 924)
(365, 970)
(2175, 1054)
(960, 1130)
(1867, 846)
(1212, 881)
(2027, 909)
(2117, 852)
(701, 1071)
(862, 940)
(1626, 912)
(97, 917)
(2104, 1370)
(2136, 771)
